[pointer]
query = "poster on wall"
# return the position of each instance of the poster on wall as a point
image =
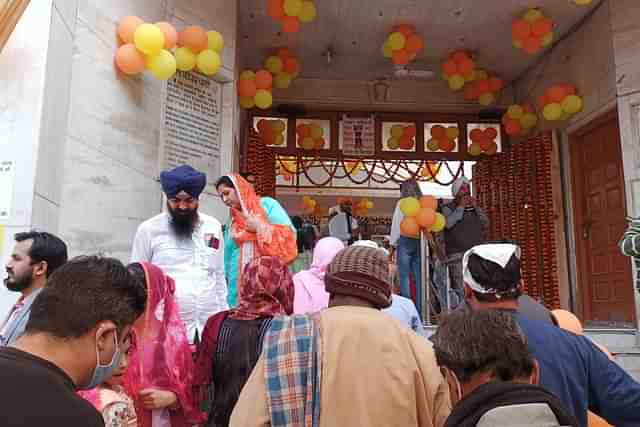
(358, 136)
(191, 125)
(7, 168)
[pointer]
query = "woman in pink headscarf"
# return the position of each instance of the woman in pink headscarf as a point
(310, 295)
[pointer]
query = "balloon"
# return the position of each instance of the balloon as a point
(555, 94)
(481, 75)
(406, 142)
(278, 140)
(397, 40)
(466, 66)
(397, 131)
(516, 43)
(450, 67)
(495, 84)
(476, 134)
(552, 111)
(409, 227)
(264, 80)
(278, 126)
(290, 24)
(568, 321)
(447, 145)
(194, 37)
(490, 133)
(247, 75)
(293, 7)
(453, 132)
(316, 131)
(308, 143)
(406, 29)
(274, 64)
(492, 149)
(531, 45)
(533, 15)
(129, 59)
(393, 143)
(439, 223)
(520, 29)
(483, 86)
(456, 82)
(582, 2)
(209, 62)
(303, 130)
(428, 202)
(185, 59)
(410, 131)
(400, 57)
(264, 99)
(148, 39)
(438, 132)
(127, 28)
(387, 50)
(515, 112)
(572, 104)
(215, 41)
(170, 34)
(308, 12)
(485, 143)
(409, 206)
(247, 88)
(291, 66)
(162, 65)
(432, 145)
(319, 143)
(513, 127)
(284, 53)
(486, 99)
(414, 43)
(529, 121)
(426, 217)
(542, 27)
(475, 149)
(547, 40)
(275, 8)
(247, 102)
(282, 80)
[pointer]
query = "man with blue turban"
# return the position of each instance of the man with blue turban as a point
(187, 246)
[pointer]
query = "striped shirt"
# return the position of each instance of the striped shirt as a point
(630, 245)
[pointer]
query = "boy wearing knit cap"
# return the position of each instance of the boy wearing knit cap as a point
(349, 364)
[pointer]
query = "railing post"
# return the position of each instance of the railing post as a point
(424, 267)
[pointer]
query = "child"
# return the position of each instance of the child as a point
(110, 399)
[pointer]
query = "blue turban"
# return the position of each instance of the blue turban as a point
(183, 178)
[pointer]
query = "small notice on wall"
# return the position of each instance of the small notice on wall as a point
(7, 168)
(358, 136)
(191, 125)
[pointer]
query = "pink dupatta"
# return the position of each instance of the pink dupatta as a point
(162, 357)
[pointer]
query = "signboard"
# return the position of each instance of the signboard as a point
(191, 125)
(7, 169)
(358, 136)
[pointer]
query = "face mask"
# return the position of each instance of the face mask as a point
(102, 372)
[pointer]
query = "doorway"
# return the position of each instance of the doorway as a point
(604, 274)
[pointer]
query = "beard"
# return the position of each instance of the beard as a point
(183, 221)
(19, 283)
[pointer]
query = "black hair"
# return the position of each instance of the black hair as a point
(82, 293)
(469, 343)
(45, 247)
(506, 281)
(226, 181)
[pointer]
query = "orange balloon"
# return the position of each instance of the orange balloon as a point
(275, 8)
(406, 29)
(513, 127)
(414, 43)
(194, 37)
(129, 59)
(291, 66)
(127, 27)
(290, 24)
(170, 34)
(409, 227)
(493, 149)
(485, 143)
(476, 135)
(520, 29)
(264, 80)
(490, 133)
(439, 132)
(495, 84)
(446, 145)
(284, 53)
(542, 27)
(568, 321)
(426, 217)
(527, 108)
(459, 56)
(410, 131)
(406, 142)
(450, 67)
(483, 86)
(542, 101)
(264, 126)
(569, 90)
(428, 202)
(303, 130)
(555, 94)
(400, 57)
(247, 88)
(319, 143)
(466, 66)
(531, 44)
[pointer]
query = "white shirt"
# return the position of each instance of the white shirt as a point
(195, 266)
(338, 227)
(398, 216)
(404, 310)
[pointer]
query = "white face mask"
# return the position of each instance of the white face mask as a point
(102, 372)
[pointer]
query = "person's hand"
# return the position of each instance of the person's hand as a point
(153, 398)
(252, 223)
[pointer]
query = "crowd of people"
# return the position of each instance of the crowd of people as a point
(213, 325)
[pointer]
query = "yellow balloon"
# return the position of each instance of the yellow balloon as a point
(582, 2)
(292, 7)
(149, 39)
(308, 143)
(453, 132)
(517, 44)
(308, 12)
(409, 206)
(475, 149)
(397, 40)
(369, 204)
(432, 145)
(282, 80)
(278, 140)
(247, 102)
(263, 99)
(162, 66)
(216, 42)
(547, 40)
(456, 82)
(393, 143)
(397, 131)
(469, 77)
(185, 59)
(529, 120)
(487, 99)
(278, 126)
(533, 15)
(439, 224)
(515, 112)
(273, 64)
(572, 104)
(247, 75)
(552, 112)
(316, 132)
(209, 62)
(387, 50)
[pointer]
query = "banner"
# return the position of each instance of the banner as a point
(358, 136)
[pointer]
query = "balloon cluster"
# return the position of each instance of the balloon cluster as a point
(483, 88)
(309, 205)
(458, 69)
(532, 32)
(287, 167)
(354, 168)
(284, 67)
(420, 214)
(292, 13)
(519, 120)
(431, 170)
(272, 131)
(483, 141)
(255, 89)
(560, 103)
(148, 46)
(402, 137)
(310, 136)
(443, 138)
(403, 44)
(362, 207)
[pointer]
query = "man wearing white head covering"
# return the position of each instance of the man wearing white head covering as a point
(465, 228)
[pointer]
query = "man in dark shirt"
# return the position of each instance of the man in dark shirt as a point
(78, 328)
(571, 366)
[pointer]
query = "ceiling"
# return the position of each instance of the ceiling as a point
(356, 30)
